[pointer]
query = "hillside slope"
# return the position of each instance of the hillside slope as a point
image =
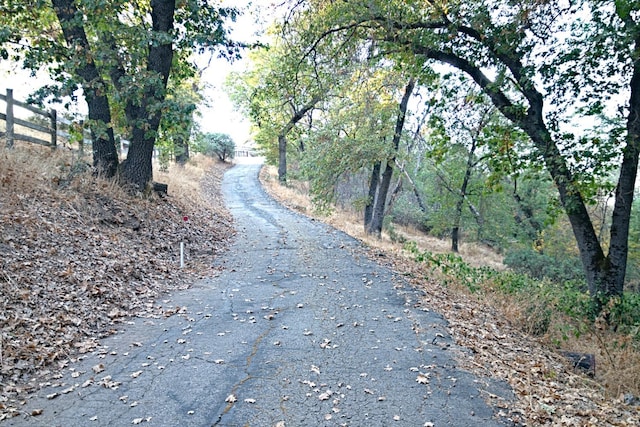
(78, 255)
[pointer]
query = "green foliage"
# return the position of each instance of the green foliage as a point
(559, 73)
(540, 299)
(453, 267)
(406, 211)
(220, 145)
(277, 94)
(542, 266)
(623, 313)
(633, 266)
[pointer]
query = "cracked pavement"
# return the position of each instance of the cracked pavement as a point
(300, 329)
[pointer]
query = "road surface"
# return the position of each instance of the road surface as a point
(300, 329)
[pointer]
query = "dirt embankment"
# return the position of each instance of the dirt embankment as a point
(78, 255)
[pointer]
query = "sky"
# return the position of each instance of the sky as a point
(220, 116)
(217, 116)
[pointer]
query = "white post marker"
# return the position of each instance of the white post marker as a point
(185, 219)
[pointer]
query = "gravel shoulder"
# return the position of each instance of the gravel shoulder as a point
(299, 328)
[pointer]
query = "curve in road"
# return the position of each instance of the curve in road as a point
(299, 329)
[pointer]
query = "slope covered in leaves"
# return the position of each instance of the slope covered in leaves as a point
(78, 254)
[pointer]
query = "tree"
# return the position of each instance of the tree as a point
(520, 57)
(121, 53)
(279, 91)
(105, 156)
(218, 144)
(377, 217)
(178, 117)
(359, 134)
(145, 111)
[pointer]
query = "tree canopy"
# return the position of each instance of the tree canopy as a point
(563, 76)
(122, 55)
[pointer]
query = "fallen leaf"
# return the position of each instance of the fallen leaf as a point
(326, 395)
(422, 379)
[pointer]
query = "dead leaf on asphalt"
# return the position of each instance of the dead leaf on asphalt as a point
(326, 395)
(422, 379)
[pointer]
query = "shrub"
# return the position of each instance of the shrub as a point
(541, 266)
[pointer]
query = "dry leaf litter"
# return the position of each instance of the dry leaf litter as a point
(78, 255)
(548, 392)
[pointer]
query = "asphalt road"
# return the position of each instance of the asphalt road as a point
(300, 329)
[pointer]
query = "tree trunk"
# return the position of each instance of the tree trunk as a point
(377, 219)
(524, 216)
(143, 114)
(181, 145)
(616, 265)
(181, 150)
(414, 188)
(375, 227)
(455, 231)
(371, 198)
(105, 154)
(395, 193)
(282, 137)
(282, 158)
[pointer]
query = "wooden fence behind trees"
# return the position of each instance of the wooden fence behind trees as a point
(8, 116)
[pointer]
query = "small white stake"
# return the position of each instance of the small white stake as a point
(181, 254)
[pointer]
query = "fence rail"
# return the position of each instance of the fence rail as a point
(9, 117)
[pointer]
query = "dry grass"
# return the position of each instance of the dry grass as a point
(79, 255)
(496, 328)
(295, 196)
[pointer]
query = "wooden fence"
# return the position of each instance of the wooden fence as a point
(11, 121)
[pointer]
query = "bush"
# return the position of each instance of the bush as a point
(540, 266)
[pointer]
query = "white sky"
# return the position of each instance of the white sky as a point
(218, 116)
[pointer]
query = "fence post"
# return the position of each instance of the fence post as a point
(9, 118)
(53, 114)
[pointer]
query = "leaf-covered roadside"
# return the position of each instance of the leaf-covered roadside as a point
(546, 390)
(76, 261)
